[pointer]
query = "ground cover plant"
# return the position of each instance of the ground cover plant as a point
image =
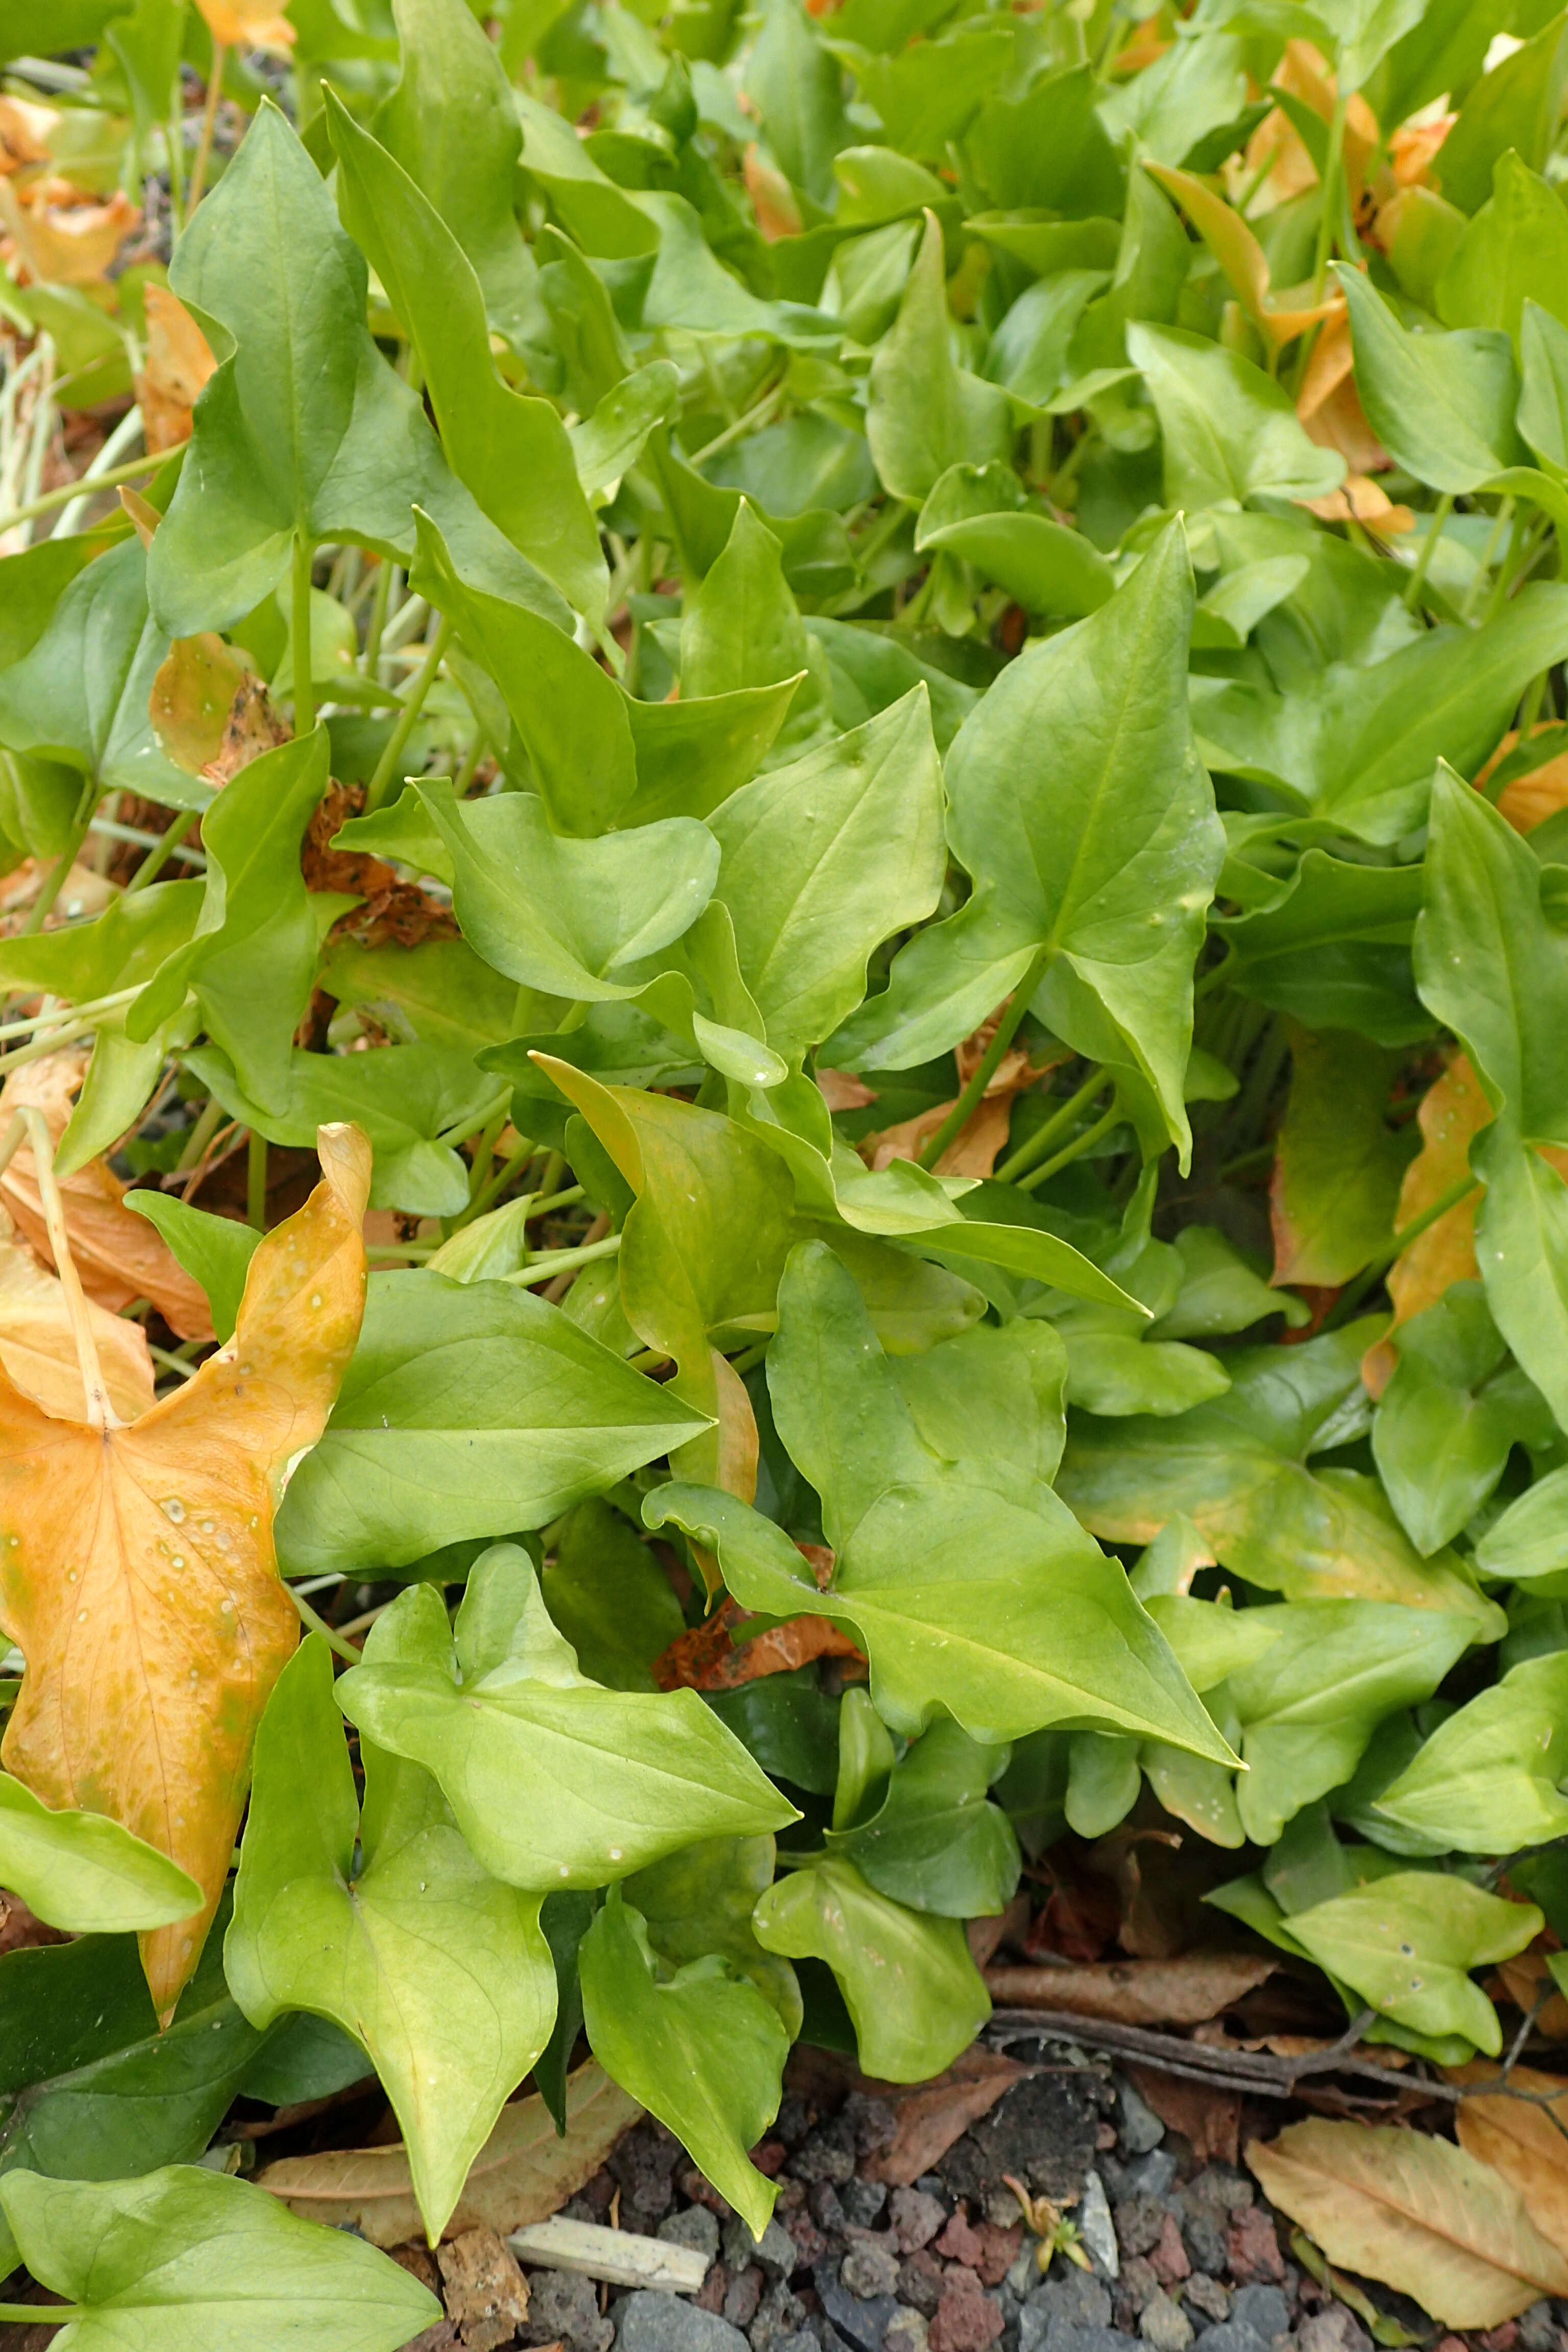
(785, 1074)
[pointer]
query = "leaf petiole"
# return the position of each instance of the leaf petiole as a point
(1074, 1151)
(1035, 1147)
(991, 1060)
(413, 704)
(544, 1269)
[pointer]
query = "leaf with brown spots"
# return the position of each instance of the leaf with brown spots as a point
(137, 1570)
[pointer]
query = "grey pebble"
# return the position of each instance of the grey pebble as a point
(1230, 2336)
(1138, 2128)
(907, 2331)
(864, 2320)
(1095, 2228)
(650, 2322)
(774, 2250)
(871, 2268)
(1064, 2338)
(1263, 2309)
(1335, 2328)
(1075, 2300)
(1208, 2295)
(862, 2201)
(1163, 2324)
(1538, 2330)
(694, 2226)
(564, 2307)
(915, 2219)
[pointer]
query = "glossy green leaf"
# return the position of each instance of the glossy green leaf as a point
(1092, 863)
(1516, 105)
(1359, 746)
(566, 916)
(822, 860)
(1515, 249)
(1340, 1162)
(469, 1409)
(1450, 1415)
(186, 2258)
(961, 1577)
(388, 1926)
(406, 1098)
(80, 694)
(450, 124)
(1239, 1468)
(610, 1598)
(1334, 950)
(510, 448)
(1530, 1537)
(1486, 1780)
(331, 445)
(1229, 432)
(925, 413)
(701, 2049)
(1405, 1944)
(1443, 404)
(252, 957)
(1311, 1702)
(934, 1842)
(553, 1781)
(915, 1995)
(83, 1872)
(700, 1901)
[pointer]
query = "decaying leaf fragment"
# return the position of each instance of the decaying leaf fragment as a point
(137, 1572)
(119, 1256)
(1418, 2213)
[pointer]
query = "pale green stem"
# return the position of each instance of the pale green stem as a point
(990, 1061)
(413, 704)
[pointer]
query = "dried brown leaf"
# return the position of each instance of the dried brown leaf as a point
(250, 23)
(1182, 1992)
(56, 240)
(1526, 2143)
(137, 1572)
(522, 2173)
(119, 1256)
(933, 2116)
(1418, 2213)
(1209, 2118)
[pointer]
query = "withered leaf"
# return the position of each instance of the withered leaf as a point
(1418, 2213)
(137, 1570)
(119, 1256)
(38, 1352)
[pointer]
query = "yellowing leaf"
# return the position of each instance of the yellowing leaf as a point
(64, 245)
(198, 684)
(1452, 1112)
(179, 362)
(1531, 799)
(1420, 2214)
(1280, 317)
(1329, 406)
(137, 1572)
(119, 1256)
(39, 1351)
(1526, 2143)
(255, 24)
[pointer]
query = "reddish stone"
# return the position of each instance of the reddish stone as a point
(769, 2156)
(959, 2241)
(1500, 2339)
(809, 2241)
(1252, 2247)
(1168, 2259)
(987, 2250)
(967, 2319)
(709, 2295)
